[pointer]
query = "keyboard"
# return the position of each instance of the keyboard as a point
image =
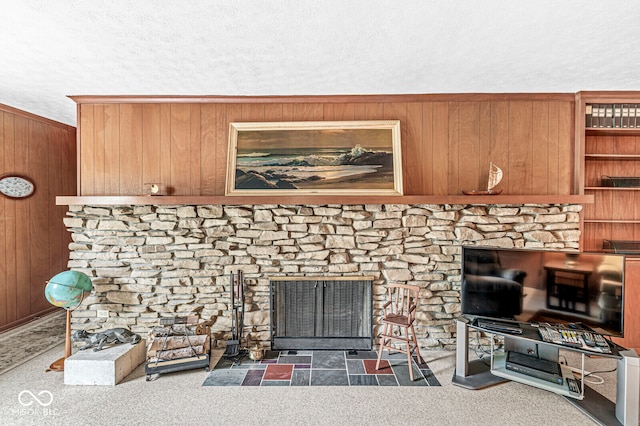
(500, 326)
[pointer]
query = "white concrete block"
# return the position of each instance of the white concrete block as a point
(106, 367)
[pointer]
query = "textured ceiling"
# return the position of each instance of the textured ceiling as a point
(54, 48)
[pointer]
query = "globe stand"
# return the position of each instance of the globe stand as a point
(58, 365)
(67, 290)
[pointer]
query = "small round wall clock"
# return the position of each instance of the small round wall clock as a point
(15, 186)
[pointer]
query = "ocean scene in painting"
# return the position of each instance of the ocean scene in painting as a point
(315, 159)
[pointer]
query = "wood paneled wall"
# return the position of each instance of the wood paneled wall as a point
(34, 243)
(631, 301)
(447, 140)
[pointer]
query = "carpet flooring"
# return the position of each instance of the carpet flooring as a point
(320, 368)
(180, 398)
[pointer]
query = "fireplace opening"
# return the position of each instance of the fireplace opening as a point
(315, 313)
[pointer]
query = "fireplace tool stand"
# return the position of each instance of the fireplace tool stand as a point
(236, 284)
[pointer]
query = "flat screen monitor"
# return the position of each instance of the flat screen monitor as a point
(544, 286)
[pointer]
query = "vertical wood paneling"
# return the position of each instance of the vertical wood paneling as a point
(440, 139)
(374, 111)
(223, 118)
(87, 156)
(208, 149)
(553, 161)
(252, 113)
(468, 165)
(273, 112)
(40, 239)
(360, 111)
(151, 144)
(446, 146)
(23, 210)
(305, 112)
(339, 112)
(632, 300)
(484, 145)
(111, 148)
(195, 150)
(11, 255)
(520, 153)
(565, 147)
(413, 164)
(427, 148)
(15, 136)
(165, 148)
(33, 239)
(98, 154)
(500, 140)
(180, 145)
(57, 256)
(540, 149)
(453, 176)
(131, 159)
(398, 111)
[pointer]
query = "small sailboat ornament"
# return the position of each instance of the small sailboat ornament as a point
(495, 176)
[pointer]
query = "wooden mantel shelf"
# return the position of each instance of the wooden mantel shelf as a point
(316, 200)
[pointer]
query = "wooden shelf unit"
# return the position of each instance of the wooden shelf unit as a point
(607, 151)
(615, 213)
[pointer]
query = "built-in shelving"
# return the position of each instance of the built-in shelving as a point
(608, 146)
(316, 200)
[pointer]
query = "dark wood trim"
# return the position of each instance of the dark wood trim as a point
(612, 131)
(336, 99)
(613, 97)
(29, 318)
(317, 200)
(16, 111)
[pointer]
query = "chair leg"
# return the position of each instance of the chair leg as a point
(407, 342)
(415, 342)
(383, 344)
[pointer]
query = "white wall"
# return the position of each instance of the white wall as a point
(51, 49)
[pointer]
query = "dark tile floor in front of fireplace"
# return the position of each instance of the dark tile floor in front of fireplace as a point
(320, 368)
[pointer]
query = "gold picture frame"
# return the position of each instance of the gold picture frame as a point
(315, 157)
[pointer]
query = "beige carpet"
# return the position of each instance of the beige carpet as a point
(32, 397)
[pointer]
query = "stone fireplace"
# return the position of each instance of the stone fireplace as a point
(154, 261)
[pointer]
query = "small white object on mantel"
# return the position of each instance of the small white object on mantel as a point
(106, 367)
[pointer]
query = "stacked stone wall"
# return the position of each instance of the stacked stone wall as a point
(153, 261)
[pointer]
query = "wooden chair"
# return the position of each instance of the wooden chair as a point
(398, 317)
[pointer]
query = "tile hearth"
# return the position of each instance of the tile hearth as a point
(320, 368)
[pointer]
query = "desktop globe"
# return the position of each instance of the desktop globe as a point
(67, 289)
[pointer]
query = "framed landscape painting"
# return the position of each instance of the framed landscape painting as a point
(315, 157)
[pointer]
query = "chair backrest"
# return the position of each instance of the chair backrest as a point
(402, 299)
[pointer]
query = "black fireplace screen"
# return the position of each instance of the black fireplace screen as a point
(321, 313)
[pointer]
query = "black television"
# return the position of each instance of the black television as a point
(544, 286)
